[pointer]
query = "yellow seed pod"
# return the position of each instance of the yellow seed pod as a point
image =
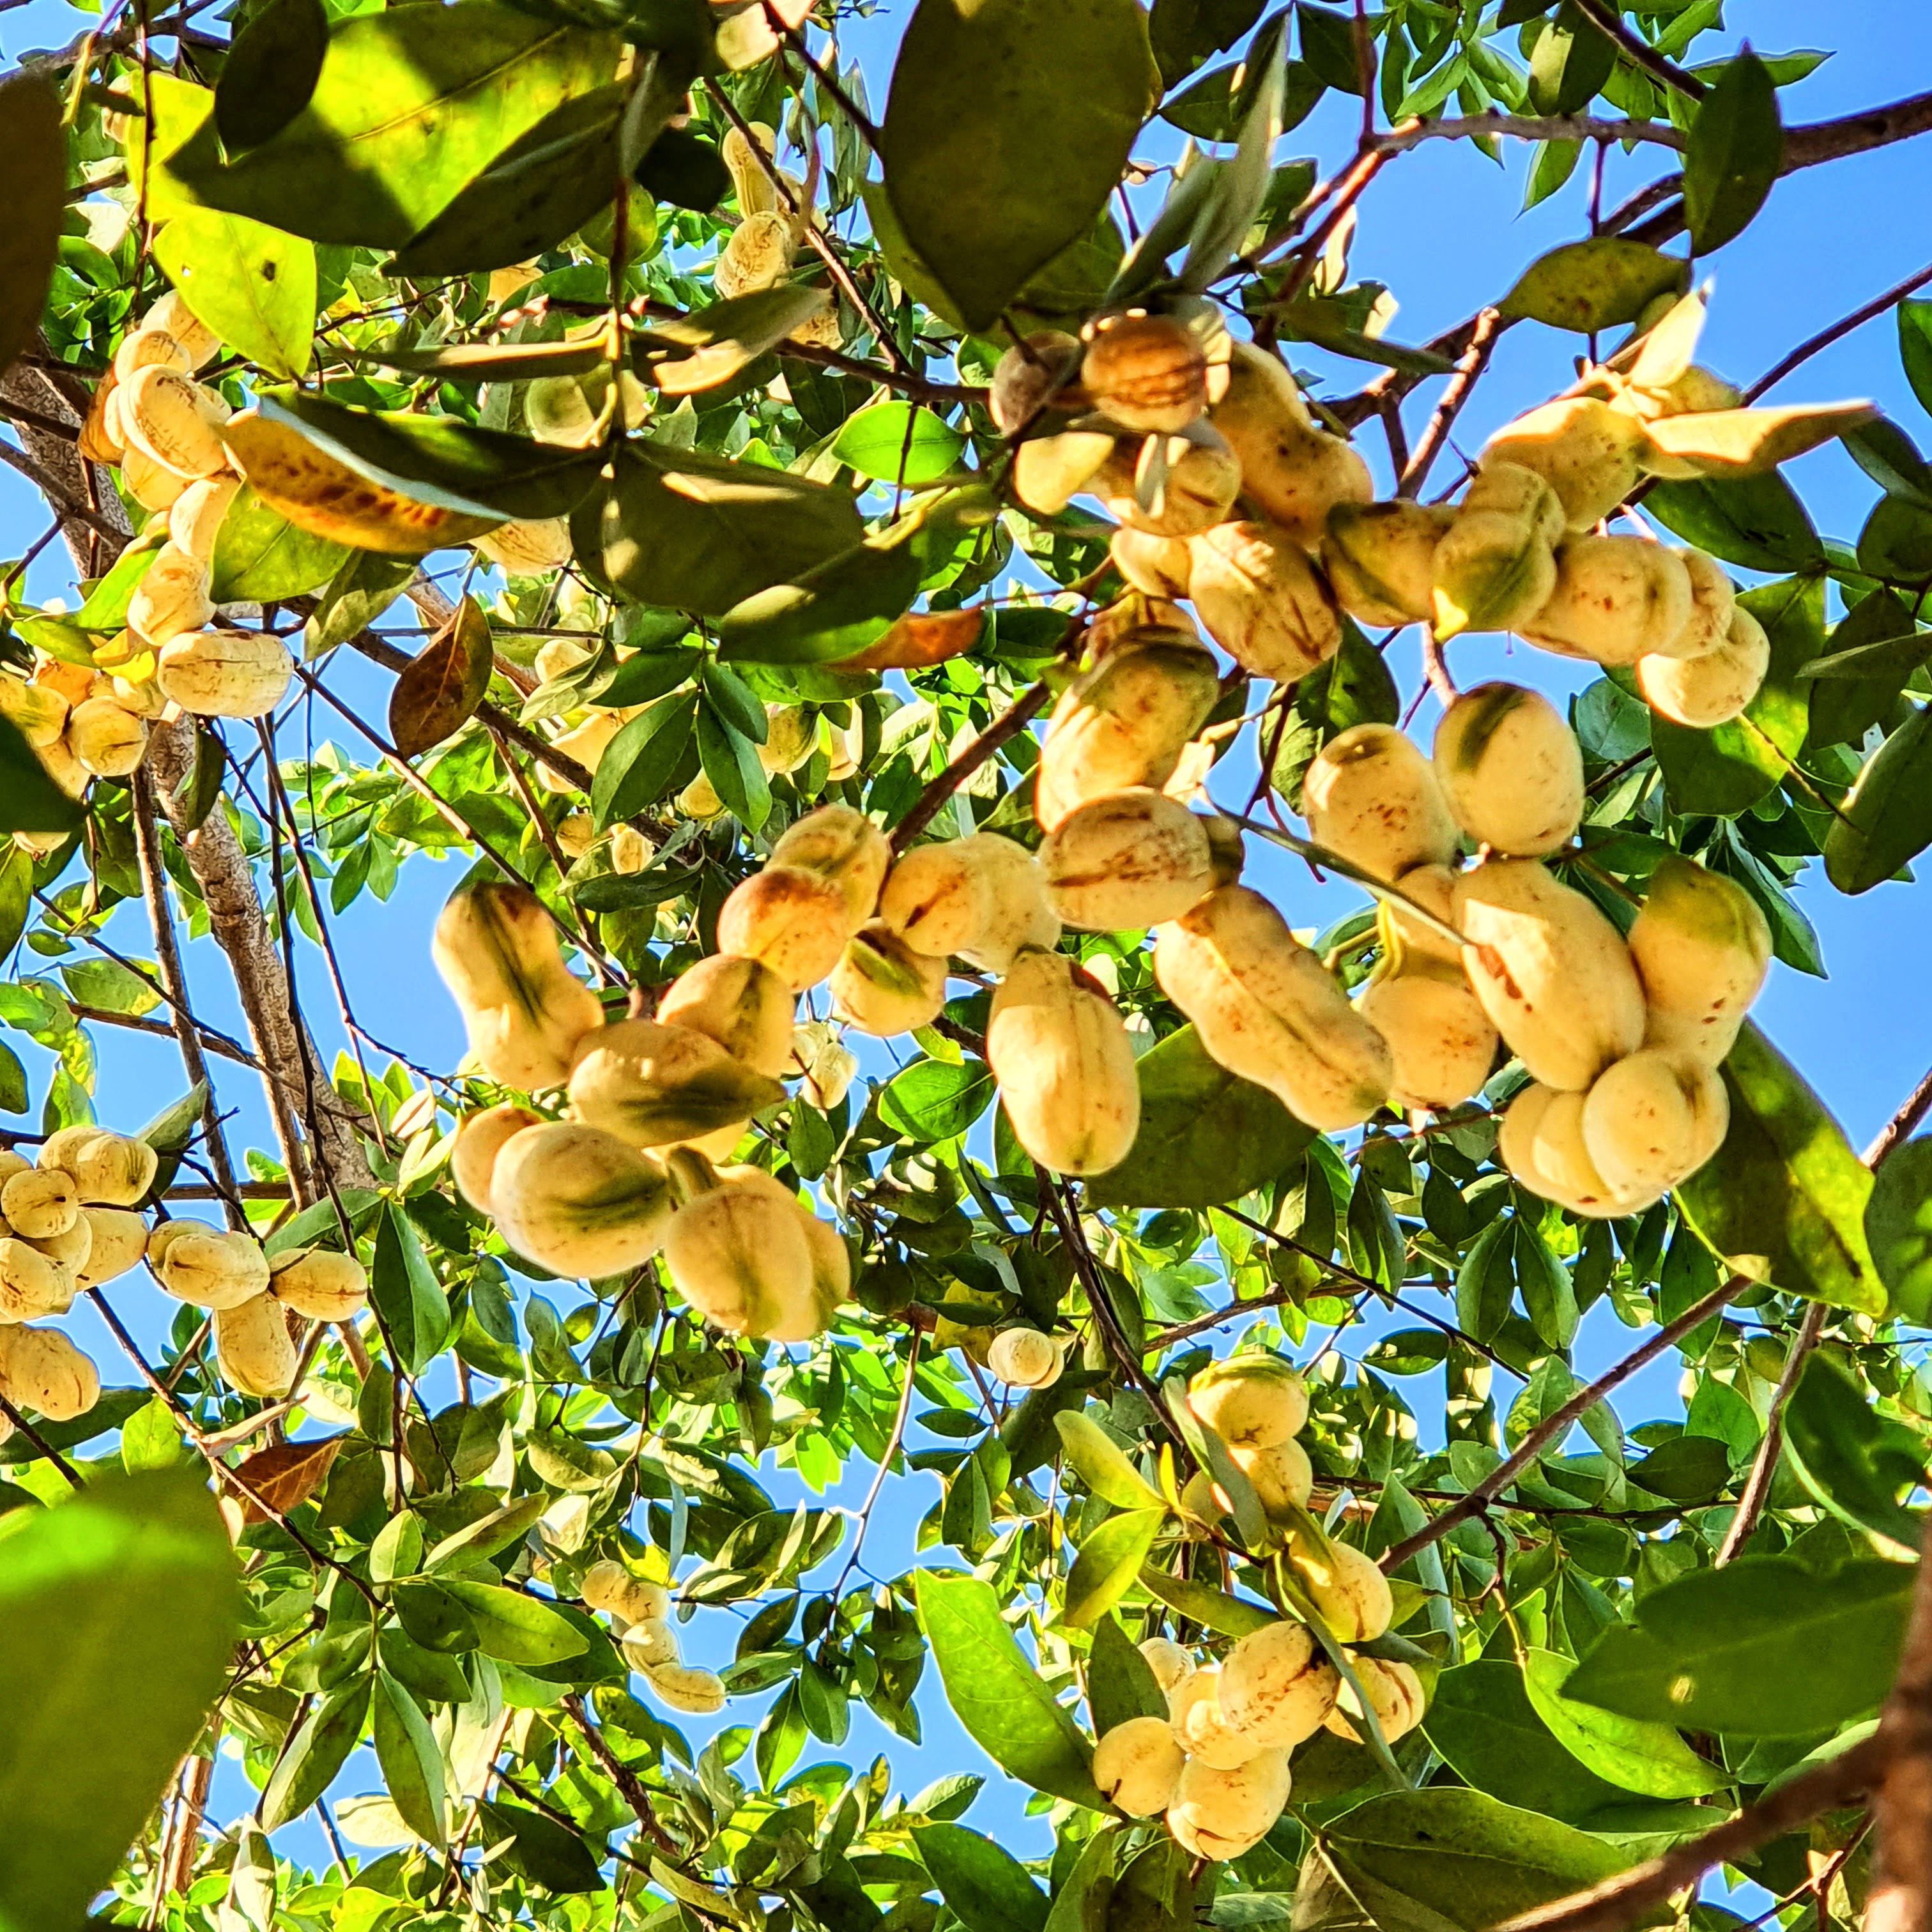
(117, 1239)
(609, 1587)
(686, 1688)
(1158, 566)
(1049, 472)
(1254, 1399)
(1277, 1685)
(558, 656)
(113, 1170)
(1541, 1143)
(151, 484)
(758, 256)
(1146, 372)
(1348, 1591)
(165, 415)
(40, 1203)
(1617, 599)
(253, 1348)
(1553, 974)
(1380, 559)
(739, 1255)
(1495, 567)
(171, 315)
(1395, 1695)
(1511, 770)
(576, 833)
(107, 740)
(1702, 948)
(1042, 370)
(1281, 1478)
(1293, 472)
(319, 1284)
(479, 1139)
(102, 438)
(629, 851)
(940, 898)
(1219, 1815)
(1713, 604)
(649, 1644)
(36, 711)
(1266, 1008)
(31, 1283)
(525, 549)
(1260, 599)
(211, 1268)
(72, 1248)
(1130, 860)
(1059, 1050)
(845, 846)
(1200, 1725)
(1169, 1662)
(579, 1201)
(882, 986)
(1406, 943)
(1137, 1764)
(742, 1004)
(791, 736)
(1585, 450)
(651, 1085)
(225, 673)
(749, 170)
(1654, 1118)
(587, 743)
(496, 949)
(13, 1162)
(145, 347)
(831, 1260)
(1022, 914)
(40, 1369)
(795, 922)
(699, 799)
(1707, 691)
(1025, 1358)
(60, 764)
(1170, 485)
(172, 598)
(1441, 1043)
(74, 682)
(1371, 796)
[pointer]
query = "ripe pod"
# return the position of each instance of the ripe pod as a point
(153, 485)
(1380, 559)
(1406, 943)
(1268, 1010)
(1654, 1117)
(1704, 692)
(140, 347)
(791, 736)
(831, 1259)
(1371, 796)
(1511, 770)
(225, 673)
(212, 1268)
(578, 1200)
(739, 1256)
(31, 1283)
(1168, 1661)
(320, 1284)
(1170, 486)
(1440, 1039)
(1137, 1764)
(1713, 604)
(585, 742)
(1201, 1726)
(1395, 1695)
(253, 1348)
(1260, 599)
(1130, 860)
(524, 549)
(36, 711)
(757, 256)
(1031, 376)
(166, 414)
(1281, 1478)
(40, 1203)
(1541, 1143)
(1156, 566)
(42, 1370)
(1351, 1594)
(1701, 948)
(109, 741)
(649, 1644)
(742, 1004)
(479, 1139)
(611, 1587)
(496, 949)
(1022, 914)
(195, 516)
(1221, 1814)
(794, 921)
(1253, 1399)
(117, 1239)
(1059, 1049)
(1292, 472)
(685, 1688)
(172, 598)
(940, 898)
(1616, 599)
(1587, 452)
(1495, 567)
(845, 846)
(882, 986)
(1146, 372)
(1553, 974)
(1277, 1686)
(652, 1084)
(171, 315)
(1025, 1358)
(1050, 471)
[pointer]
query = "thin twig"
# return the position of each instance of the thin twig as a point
(1764, 1464)
(1825, 338)
(1009, 724)
(1609, 23)
(1455, 393)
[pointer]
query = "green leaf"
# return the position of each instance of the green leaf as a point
(1783, 1199)
(1548, 1298)
(1464, 1854)
(1756, 522)
(512, 1627)
(1569, 63)
(637, 763)
(1898, 1224)
(1855, 1461)
(1915, 349)
(14, 1094)
(729, 759)
(997, 1692)
(834, 610)
(1734, 152)
(1103, 1464)
(407, 109)
(1485, 1281)
(33, 191)
(931, 1101)
(1885, 821)
(1764, 1647)
(118, 1611)
(899, 443)
(270, 73)
(30, 801)
(315, 1752)
(542, 1852)
(1121, 1682)
(260, 557)
(1586, 286)
(412, 1765)
(680, 529)
(1214, 1609)
(405, 1293)
(1687, 1469)
(1482, 1720)
(1874, 651)
(1184, 33)
(254, 286)
(1206, 1136)
(1649, 1758)
(1007, 126)
(358, 593)
(1109, 1563)
(1727, 770)
(984, 1885)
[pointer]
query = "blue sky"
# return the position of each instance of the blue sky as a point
(1441, 227)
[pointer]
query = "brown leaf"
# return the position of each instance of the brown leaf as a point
(286, 1476)
(440, 687)
(918, 639)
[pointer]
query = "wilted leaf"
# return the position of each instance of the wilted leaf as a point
(439, 690)
(285, 1475)
(919, 640)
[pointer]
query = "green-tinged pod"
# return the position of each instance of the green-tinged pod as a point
(1259, 597)
(844, 846)
(651, 1085)
(1511, 770)
(743, 1005)
(1495, 567)
(480, 1138)
(578, 1200)
(1380, 559)
(1349, 1592)
(1253, 1399)
(1702, 947)
(882, 986)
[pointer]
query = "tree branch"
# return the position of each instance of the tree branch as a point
(1609, 21)
(1009, 724)
(1858, 317)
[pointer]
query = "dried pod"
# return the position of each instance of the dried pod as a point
(1371, 796)
(40, 1203)
(1441, 1041)
(320, 1284)
(225, 673)
(1707, 691)
(1655, 1117)
(1137, 1764)
(1617, 599)
(1277, 1686)
(881, 986)
(1218, 1815)
(1260, 599)
(651, 1085)
(742, 1004)
(1032, 377)
(1147, 372)
(479, 1139)
(1380, 559)
(253, 1348)
(579, 1202)
(40, 1369)
(1253, 1399)
(1511, 770)
(1395, 1695)
(108, 740)
(1131, 858)
(1702, 948)
(1025, 1358)
(1585, 450)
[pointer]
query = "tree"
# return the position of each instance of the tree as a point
(764, 446)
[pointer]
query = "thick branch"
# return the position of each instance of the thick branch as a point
(931, 801)
(1901, 1898)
